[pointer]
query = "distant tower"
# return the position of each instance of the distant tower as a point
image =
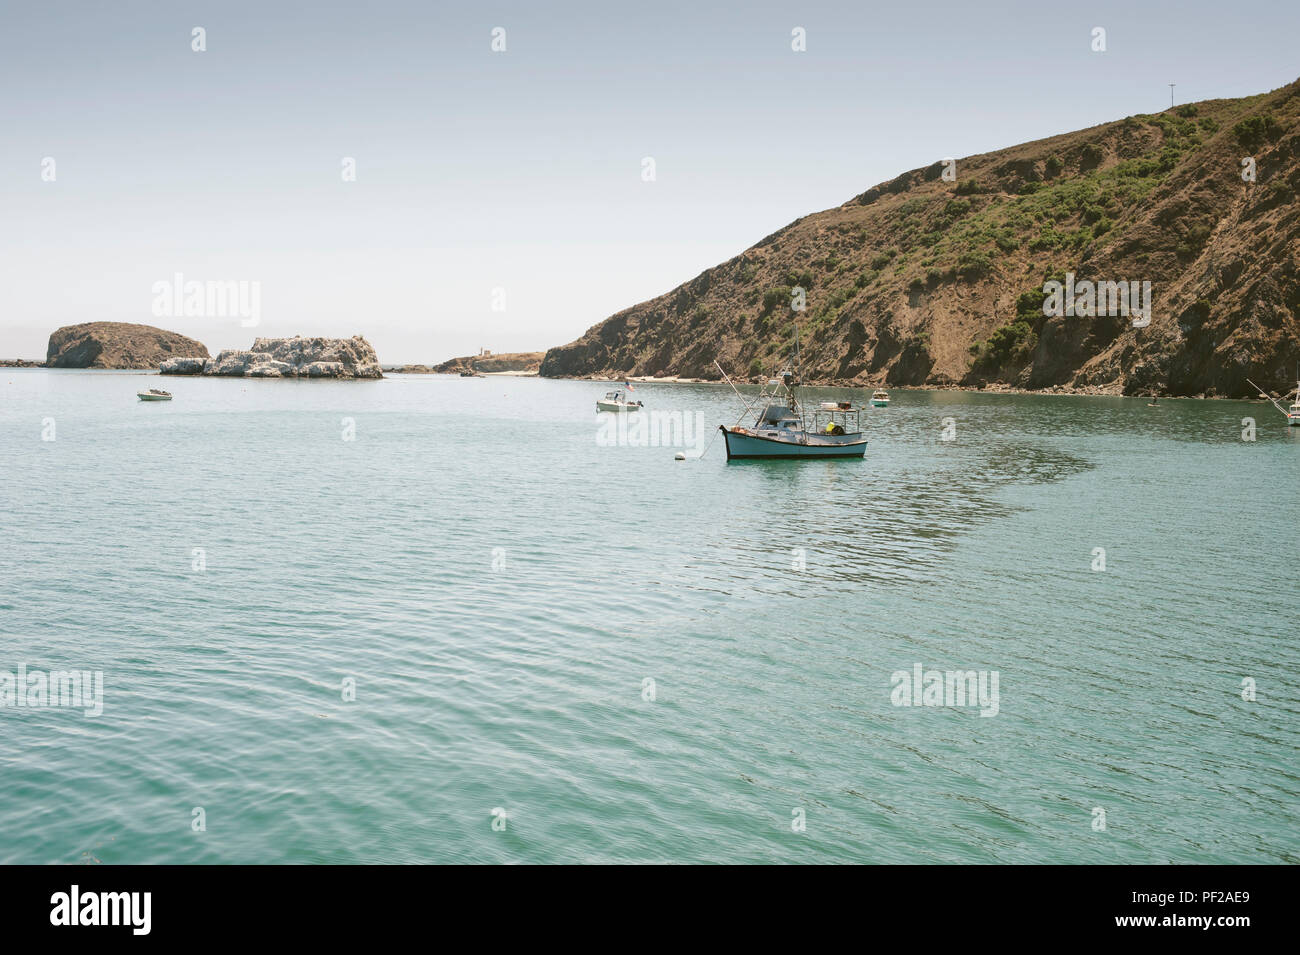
(1171, 95)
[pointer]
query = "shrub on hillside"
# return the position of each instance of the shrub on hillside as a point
(1255, 131)
(973, 265)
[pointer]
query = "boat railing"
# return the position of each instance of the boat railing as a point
(847, 418)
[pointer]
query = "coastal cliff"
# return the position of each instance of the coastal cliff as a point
(117, 345)
(285, 358)
(936, 278)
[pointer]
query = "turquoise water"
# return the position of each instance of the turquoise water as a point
(500, 584)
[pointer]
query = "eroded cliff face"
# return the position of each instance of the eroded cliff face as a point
(927, 281)
(286, 358)
(117, 345)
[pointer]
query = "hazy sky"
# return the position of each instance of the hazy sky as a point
(519, 170)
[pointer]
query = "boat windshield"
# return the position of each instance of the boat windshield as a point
(776, 415)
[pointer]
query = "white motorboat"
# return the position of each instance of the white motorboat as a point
(880, 399)
(617, 401)
(154, 394)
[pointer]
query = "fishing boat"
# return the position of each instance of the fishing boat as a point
(154, 394)
(880, 399)
(617, 401)
(784, 429)
(1292, 413)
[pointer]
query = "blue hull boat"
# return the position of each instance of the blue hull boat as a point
(783, 429)
(753, 443)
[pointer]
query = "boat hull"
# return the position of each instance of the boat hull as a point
(153, 398)
(742, 444)
(616, 406)
(879, 404)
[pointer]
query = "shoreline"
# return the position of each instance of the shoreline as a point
(999, 389)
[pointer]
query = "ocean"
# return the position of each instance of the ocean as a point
(434, 619)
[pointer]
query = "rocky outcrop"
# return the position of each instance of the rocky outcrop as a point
(20, 363)
(287, 358)
(182, 366)
(937, 277)
(117, 345)
(408, 369)
(515, 363)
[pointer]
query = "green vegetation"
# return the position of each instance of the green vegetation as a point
(774, 297)
(974, 265)
(956, 208)
(1009, 345)
(1197, 235)
(1255, 131)
(882, 259)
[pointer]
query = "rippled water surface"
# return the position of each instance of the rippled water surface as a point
(500, 586)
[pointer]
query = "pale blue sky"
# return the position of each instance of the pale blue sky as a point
(522, 169)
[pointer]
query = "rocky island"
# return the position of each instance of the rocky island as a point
(506, 363)
(117, 345)
(284, 358)
(522, 364)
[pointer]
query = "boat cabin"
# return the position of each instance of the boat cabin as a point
(779, 416)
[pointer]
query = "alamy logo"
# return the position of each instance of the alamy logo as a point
(1090, 299)
(103, 908)
(227, 299)
(82, 689)
(921, 687)
(651, 429)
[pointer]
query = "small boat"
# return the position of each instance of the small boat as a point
(617, 401)
(154, 394)
(783, 430)
(880, 399)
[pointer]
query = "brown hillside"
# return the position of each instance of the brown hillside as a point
(921, 281)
